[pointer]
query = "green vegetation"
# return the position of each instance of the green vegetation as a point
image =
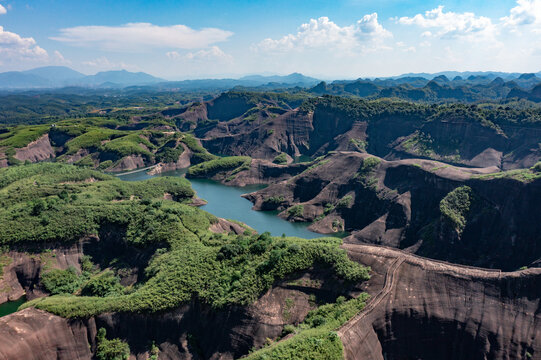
(273, 201)
(366, 172)
(51, 203)
(169, 154)
(296, 211)
(360, 145)
(114, 349)
(104, 284)
(20, 136)
(280, 159)
(456, 205)
(315, 338)
(199, 153)
(209, 168)
(58, 281)
(523, 175)
(344, 202)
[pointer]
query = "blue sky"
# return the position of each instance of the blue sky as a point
(326, 39)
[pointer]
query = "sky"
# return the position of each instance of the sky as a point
(340, 39)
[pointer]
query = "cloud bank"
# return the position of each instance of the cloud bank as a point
(322, 33)
(141, 37)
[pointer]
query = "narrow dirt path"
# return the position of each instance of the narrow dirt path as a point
(389, 284)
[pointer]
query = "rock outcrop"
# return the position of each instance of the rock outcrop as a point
(424, 309)
(33, 334)
(397, 203)
(193, 331)
(37, 150)
(21, 275)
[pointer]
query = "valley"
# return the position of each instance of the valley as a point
(272, 225)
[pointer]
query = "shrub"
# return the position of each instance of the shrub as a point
(58, 281)
(455, 206)
(296, 211)
(114, 349)
(103, 284)
(169, 155)
(280, 159)
(344, 202)
(212, 167)
(315, 338)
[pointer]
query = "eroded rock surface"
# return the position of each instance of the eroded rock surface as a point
(38, 150)
(33, 334)
(424, 309)
(397, 203)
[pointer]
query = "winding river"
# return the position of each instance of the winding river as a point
(226, 202)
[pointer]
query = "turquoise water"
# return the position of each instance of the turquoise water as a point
(11, 306)
(226, 202)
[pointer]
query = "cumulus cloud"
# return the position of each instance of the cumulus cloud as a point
(14, 48)
(140, 37)
(366, 34)
(214, 53)
(2, 10)
(451, 25)
(527, 12)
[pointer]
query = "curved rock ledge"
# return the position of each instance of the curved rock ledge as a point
(426, 309)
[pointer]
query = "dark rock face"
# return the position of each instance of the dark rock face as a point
(450, 136)
(193, 331)
(33, 334)
(423, 309)
(21, 276)
(397, 204)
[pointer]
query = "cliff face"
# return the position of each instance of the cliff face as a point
(194, 331)
(33, 334)
(451, 136)
(398, 204)
(38, 150)
(422, 309)
(263, 138)
(21, 275)
(419, 308)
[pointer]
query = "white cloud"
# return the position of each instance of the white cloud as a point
(58, 58)
(527, 12)
(451, 25)
(140, 37)
(103, 63)
(366, 34)
(14, 48)
(2, 10)
(214, 53)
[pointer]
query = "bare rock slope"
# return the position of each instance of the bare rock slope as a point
(425, 309)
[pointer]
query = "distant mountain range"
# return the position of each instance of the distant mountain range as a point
(62, 76)
(467, 86)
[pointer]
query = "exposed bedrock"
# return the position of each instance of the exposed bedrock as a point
(425, 309)
(33, 334)
(38, 150)
(452, 138)
(398, 203)
(193, 331)
(21, 274)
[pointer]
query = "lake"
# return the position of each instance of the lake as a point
(11, 306)
(226, 202)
